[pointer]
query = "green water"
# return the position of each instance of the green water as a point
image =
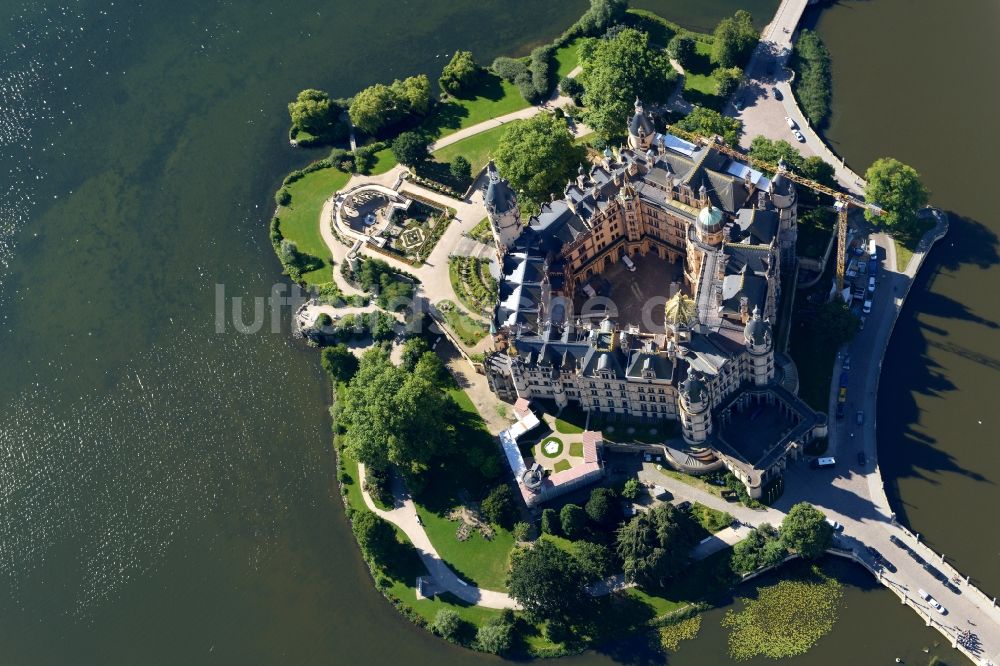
(166, 492)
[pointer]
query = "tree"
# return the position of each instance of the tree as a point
(283, 197)
(896, 187)
(805, 531)
(459, 75)
(381, 325)
(496, 636)
(323, 321)
(550, 522)
(734, 39)
(617, 70)
(412, 350)
(727, 80)
(314, 112)
(631, 488)
(538, 155)
(709, 123)
(521, 531)
(498, 507)
(572, 88)
(339, 362)
(682, 48)
(373, 108)
(602, 15)
(603, 508)
(811, 63)
(410, 148)
(546, 581)
(596, 560)
(654, 545)
(375, 536)
(460, 169)
(834, 324)
(413, 94)
(448, 624)
(761, 548)
(572, 520)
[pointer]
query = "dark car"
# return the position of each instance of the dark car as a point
(862, 458)
(840, 410)
(777, 94)
(683, 506)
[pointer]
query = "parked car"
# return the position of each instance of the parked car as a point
(861, 417)
(862, 458)
(840, 410)
(798, 136)
(871, 283)
(792, 125)
(867, 307)
(846, 365)
(777, 94)
(837, 527)
(861, 324)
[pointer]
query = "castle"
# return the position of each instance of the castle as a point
(575, 322)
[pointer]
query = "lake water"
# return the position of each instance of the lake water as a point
(166, 492)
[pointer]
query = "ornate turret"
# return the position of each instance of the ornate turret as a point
(640, 129)
(709, 225)
(784, 198)
(760, 343)
(502, 209)
(695, 402)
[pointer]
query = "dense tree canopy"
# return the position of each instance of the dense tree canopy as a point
(460, 169)
(734, 40)
(572, 521)
(496, 636)
(410, 148)
(811, 63)
(805, 531)
(391, 416)
(896, 187)
(603, 507)
(617, 70)
(682, 48)
(498, 507)
(596, 560)
(813, 167)
(538, 155)
(709, 123)
(546, 581)
(448, 624)
(761, 548)
(602, 15)
(375, 536)
(654, 545)
(460, 74)
(550, 521)
(380, 105)
(314, 112)
(727, 80)
(339, 362)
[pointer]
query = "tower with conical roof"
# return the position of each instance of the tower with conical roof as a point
(695, 412)
(784, 197)
(640, 129)
(708, 225)
(760, 345)
(502, 209)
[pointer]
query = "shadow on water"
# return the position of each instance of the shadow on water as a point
(909, 362)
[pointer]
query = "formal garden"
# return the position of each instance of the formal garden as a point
(413, 234)
(471, 280)
(468, 329)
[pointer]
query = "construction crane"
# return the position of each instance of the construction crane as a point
(842, 200)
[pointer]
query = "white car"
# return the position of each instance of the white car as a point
(867, 307)
(791, 123)
(932, 602)
(871, 283)
(798, 136)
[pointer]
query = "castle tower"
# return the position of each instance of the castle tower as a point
(760, 344)
(785, 199)
(708, 226)
(502, 209)
(695, 412)
(640, 129)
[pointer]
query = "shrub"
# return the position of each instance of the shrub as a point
(283, 197)
(339, 362)
(496, 636)
(509, 68)
(375, 536)
(460, 74)
(631, 489)
(727, 80)
(573, 521)
(460, 169)
(811, 62)
(521, 531)
(682, 48)
(498, 507)
(448, 624)
(572, 89)
(550, 522)
(323, 320)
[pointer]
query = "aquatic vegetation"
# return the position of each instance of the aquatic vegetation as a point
(672, 634)
(785, 619)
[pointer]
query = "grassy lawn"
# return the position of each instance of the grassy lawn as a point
(906, 244)
(476, 148)
(548, 440)
(710, 519)
(300, 219)
(493, 97)
(469, 330)
(477, 561)
(562, 466)
(384, 160)
(693, 481)
(699, 84)
(567, 58)
(576, 449)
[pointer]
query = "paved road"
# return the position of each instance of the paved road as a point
(764, 114)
